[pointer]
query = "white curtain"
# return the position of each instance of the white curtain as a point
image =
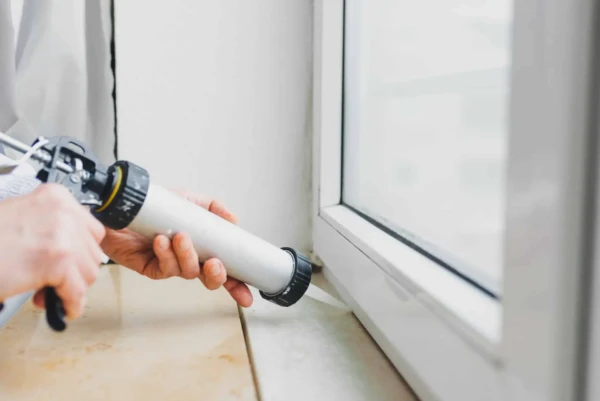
(55, 74)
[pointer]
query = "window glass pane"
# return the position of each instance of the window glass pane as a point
(425, 125)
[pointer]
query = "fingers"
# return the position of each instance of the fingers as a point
(92, 224)
(38, 299)
(91, 265)
(63, 244)
(89, 271)
(239, 292)
(211, 205)
(96, 228)
(220, 210)
(186, 256)
(167, 260)
(72, 293)
(214, 274)
(199, 200)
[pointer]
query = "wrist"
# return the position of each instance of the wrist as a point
(109, 243)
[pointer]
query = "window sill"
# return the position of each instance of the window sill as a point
(457, 301)
(435, 351)
(317, 350)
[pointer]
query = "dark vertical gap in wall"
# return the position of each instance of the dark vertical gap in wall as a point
(113, 64)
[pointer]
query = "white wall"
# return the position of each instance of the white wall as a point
(215, 96)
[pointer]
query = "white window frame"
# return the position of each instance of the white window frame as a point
(449, 340)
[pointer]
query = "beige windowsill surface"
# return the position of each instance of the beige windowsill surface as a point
(158, 340)
(138, 340)
(317, 350)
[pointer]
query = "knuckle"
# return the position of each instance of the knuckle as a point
(62, 214)
(55, 251)
(169, 273)
(93, 276)
(76, 291)
(96, 224)
(212, 285)
(172, 269)
(53, 192)
(98, 228)
(189, 274)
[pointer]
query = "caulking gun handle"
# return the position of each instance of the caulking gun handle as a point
(55, 312)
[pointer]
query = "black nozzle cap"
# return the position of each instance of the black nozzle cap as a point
(298, 284)
(124, 204)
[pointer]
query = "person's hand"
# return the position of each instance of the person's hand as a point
(48, 239)
(161, 258)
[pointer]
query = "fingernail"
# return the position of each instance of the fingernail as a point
(215, 269)
(163, 243)
(183, 245)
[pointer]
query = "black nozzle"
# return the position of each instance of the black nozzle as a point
(297, 285)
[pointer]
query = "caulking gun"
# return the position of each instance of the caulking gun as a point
(122, 196)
